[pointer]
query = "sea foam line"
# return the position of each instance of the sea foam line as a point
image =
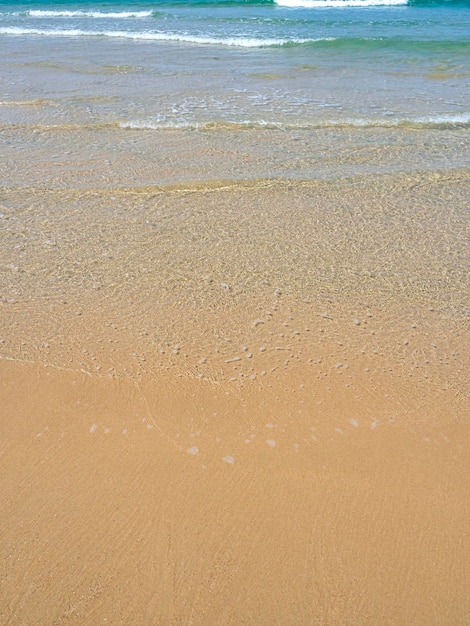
(437, 122)
(243, 42)
(97, 14)
(214, 125)
(322, 4)
(429, 122)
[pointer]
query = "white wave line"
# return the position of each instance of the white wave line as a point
(96, 14)
(429, 121)
(243, 42)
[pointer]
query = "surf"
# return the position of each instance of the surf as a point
(242, 42)
(90, 13)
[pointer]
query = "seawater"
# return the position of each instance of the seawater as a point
(288, 63)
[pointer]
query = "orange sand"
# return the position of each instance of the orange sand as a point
(271, 431)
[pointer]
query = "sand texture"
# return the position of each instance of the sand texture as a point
(231, 403)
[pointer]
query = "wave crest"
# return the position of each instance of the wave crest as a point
(96, 14)
(243, 42)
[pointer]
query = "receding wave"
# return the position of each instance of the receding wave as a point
(97, 14)
(214, 125)
(244, 42)
(23, 103)
(438, 122)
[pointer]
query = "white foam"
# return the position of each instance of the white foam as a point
(334, 4)
(463, 118)
(271, 442)
(436, 121)
(96, 14)
(194, 450)
(165, 124)
(241, 42)
(229, 459)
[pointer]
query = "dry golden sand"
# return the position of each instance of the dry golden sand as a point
(236, 404)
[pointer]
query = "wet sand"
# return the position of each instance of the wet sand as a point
(172, 502)
(236, 402)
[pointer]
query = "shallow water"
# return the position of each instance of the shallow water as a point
(383, 90)
(98, 128)
(159, 65)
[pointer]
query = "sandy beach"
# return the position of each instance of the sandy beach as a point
(213, 414)
(234, 313)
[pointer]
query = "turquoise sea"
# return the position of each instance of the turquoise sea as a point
(193, 63)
